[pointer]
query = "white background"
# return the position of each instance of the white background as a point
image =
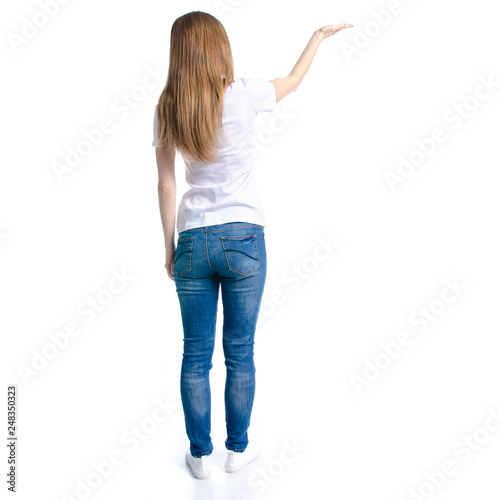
(322, 176)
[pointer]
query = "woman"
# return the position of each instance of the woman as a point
(208, 116)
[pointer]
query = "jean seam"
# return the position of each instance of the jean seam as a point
(206, 250)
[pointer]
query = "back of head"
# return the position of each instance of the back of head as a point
(191, 104)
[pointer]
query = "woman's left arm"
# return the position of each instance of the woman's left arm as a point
(165, 160)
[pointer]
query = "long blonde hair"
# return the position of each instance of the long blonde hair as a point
(191, 104)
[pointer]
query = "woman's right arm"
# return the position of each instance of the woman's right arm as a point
(284, 86)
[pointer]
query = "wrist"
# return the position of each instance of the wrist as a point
(319, 34)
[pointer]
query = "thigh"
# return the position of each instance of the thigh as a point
(198, 299)
(197, 289)
(243, 281)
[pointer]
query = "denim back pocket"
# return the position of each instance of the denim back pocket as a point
(241, 253)
(182, 261)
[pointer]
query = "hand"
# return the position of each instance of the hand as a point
(169, 263)
(327, 31)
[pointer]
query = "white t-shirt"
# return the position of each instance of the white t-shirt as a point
(226, 191)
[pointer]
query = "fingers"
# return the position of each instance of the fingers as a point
(335, 28)
(170, 273)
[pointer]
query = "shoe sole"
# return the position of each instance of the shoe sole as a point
(197, 476)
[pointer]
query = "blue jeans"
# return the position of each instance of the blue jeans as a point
(232, 255)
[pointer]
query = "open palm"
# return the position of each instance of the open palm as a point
(334, 28)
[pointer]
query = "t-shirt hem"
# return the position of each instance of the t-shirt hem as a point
(214, 221)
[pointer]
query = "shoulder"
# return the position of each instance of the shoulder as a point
(254, 87)
(246, 83)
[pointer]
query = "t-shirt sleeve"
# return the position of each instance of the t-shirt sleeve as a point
(263, 94)
(155, 120)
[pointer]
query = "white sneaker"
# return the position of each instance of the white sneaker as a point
(238, 460)
(201, 467)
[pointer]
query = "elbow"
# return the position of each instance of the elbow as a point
(166, 190)
(294, 82)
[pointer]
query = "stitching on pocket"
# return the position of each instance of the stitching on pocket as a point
(227, 251)
(189, 250)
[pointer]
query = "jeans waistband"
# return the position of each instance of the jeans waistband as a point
(222, 227)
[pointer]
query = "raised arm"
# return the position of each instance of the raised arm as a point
(284, 86)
